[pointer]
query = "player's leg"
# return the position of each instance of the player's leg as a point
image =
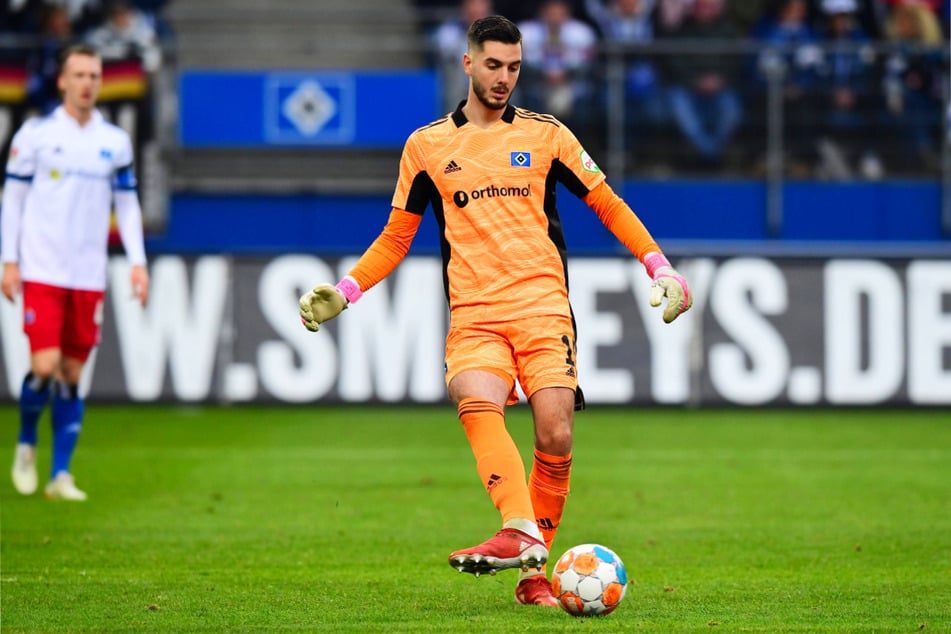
(481, 395)
(42, 323)
(552, 409)
(80, 335)
(67, 417)
(549, 377)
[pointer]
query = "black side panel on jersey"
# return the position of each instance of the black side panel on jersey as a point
(560, 173)
(569, 180)
(423, 193)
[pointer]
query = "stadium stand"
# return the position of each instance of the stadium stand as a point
(291, 35)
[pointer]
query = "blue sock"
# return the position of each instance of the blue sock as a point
(67, 421)
(34, 395)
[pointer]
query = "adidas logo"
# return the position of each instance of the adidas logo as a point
(452, 167)
(494, 480)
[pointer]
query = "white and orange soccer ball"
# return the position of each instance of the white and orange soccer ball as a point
(589, 580)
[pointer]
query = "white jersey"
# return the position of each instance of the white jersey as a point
(58, 231)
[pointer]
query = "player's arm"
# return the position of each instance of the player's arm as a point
(326, 301)
(128, 214)
(621, 220)
(14, 197)
(19, 178)
(129, 222)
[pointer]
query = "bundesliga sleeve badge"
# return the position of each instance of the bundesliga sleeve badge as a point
(588, 164)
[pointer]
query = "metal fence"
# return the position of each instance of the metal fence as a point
(796, 120)
(781, 113)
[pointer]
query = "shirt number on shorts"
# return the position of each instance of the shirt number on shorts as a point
(569, 350)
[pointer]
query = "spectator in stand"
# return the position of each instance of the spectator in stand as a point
(152, 11)
(869, 14)
(127, 33)
(848, 104)
(670, 14)
(18, 16)
(517, 10)
(450, 43)
(43, 63)
(630, 22)
(623, 21)
(559, 51)
(703, 98)
(792, 50)
(83, 15)
(748, 14)
(935, 6)
(916, 82)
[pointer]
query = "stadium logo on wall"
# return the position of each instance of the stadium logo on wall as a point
(309, 108)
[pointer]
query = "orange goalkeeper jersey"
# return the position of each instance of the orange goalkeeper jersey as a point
(493, 193)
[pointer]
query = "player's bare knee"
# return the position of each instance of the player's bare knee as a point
(44, 366)
(554, 440)
(71, 369)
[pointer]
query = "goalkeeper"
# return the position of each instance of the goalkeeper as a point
(488, 170)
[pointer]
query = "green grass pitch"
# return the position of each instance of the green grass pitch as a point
(340, 519)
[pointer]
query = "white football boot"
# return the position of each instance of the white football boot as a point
(62, 487)
(24, 469)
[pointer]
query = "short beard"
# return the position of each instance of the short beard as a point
(480, 94)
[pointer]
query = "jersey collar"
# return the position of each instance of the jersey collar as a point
(460, 119)
(61, 114)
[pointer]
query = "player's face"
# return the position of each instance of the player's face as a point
(494, 72)
(80, 81)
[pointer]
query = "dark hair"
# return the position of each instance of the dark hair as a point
(493, 28)
(76, 49)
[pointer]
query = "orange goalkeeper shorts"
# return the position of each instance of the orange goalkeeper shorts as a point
(538, 352)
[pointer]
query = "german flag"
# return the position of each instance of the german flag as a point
(125, 80)
(12, 84)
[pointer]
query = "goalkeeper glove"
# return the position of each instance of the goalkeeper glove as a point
(667, 283)
(326, 302)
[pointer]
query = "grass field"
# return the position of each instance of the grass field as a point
(339, 519)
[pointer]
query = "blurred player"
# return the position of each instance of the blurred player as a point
(489, 172)
(66, 173)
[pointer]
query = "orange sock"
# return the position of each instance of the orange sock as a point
(548, 487)
(497, 458)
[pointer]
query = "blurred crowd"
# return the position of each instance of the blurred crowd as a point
(861, 85)
(35, 31)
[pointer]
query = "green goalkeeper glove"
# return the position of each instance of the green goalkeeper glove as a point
(326, 302)
(667, 283)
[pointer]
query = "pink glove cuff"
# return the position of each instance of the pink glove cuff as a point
(349, 288)
(653, 262)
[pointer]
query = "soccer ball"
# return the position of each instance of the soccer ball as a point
(589, 580)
